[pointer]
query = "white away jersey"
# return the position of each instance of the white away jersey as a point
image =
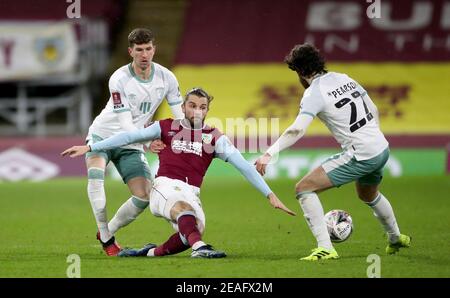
(128, 92)
(339, 102)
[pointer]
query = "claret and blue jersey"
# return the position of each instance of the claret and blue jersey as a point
(188, 152)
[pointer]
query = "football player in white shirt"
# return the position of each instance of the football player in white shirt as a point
(137, 90)
(351, 116)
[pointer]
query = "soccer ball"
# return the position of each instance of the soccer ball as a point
(339, 224)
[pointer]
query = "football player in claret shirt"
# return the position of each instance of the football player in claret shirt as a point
(190, 147)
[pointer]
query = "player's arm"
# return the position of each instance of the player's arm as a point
(121, 106)
(122, 139)
(227, 152)
(311, 105)
(289, 137)
(292, 134)
(177, 111)
(173, 96)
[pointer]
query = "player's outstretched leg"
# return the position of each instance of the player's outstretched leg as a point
(404, 241)
(383, 211)
(96, 193)
(131, 252)
(172, 246)
(139, 187)
(314, 215)
(187, 225)
(313, 212)
(188, 236)
(185, 217)
(111, 247)
(127, 213)
(97, 198)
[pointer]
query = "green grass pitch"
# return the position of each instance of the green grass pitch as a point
(42, 223)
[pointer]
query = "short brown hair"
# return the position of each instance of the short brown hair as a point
(140, 36)
(197, 91)
(306, 60)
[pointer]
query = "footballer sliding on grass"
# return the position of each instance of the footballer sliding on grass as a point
(190, 147)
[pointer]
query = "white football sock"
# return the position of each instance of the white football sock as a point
(96, 194)
(151, 252)
(127, 213)
(382, 210)
(198, 244)
(313, 212)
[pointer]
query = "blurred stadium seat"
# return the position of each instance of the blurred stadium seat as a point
(52, 65)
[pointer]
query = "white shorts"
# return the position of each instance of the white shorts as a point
(166, 192)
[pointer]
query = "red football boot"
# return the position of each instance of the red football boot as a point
(111, 247)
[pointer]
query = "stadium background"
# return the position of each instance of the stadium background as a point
(54, 72)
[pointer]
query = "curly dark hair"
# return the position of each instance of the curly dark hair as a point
(140, 36)
(306, 60)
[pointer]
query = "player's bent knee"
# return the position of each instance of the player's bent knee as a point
(142, 194)
(361, 195)
(140, 187)
(200, 227)
(185, 213)
(367, 193)
(302, 186)
(95, 162)
(95, 188)
(96, 173)
(178, 208)
(367, 196)
(182, 206)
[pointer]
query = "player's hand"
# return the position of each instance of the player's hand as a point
(276, 203)
(261, 163)
(157, 146)
(76, 151)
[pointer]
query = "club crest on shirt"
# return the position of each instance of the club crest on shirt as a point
(207, 138)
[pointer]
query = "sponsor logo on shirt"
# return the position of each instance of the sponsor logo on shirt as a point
(187, 147)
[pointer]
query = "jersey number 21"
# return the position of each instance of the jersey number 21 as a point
(354, 123)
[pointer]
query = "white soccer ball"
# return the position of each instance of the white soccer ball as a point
(339, 224)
